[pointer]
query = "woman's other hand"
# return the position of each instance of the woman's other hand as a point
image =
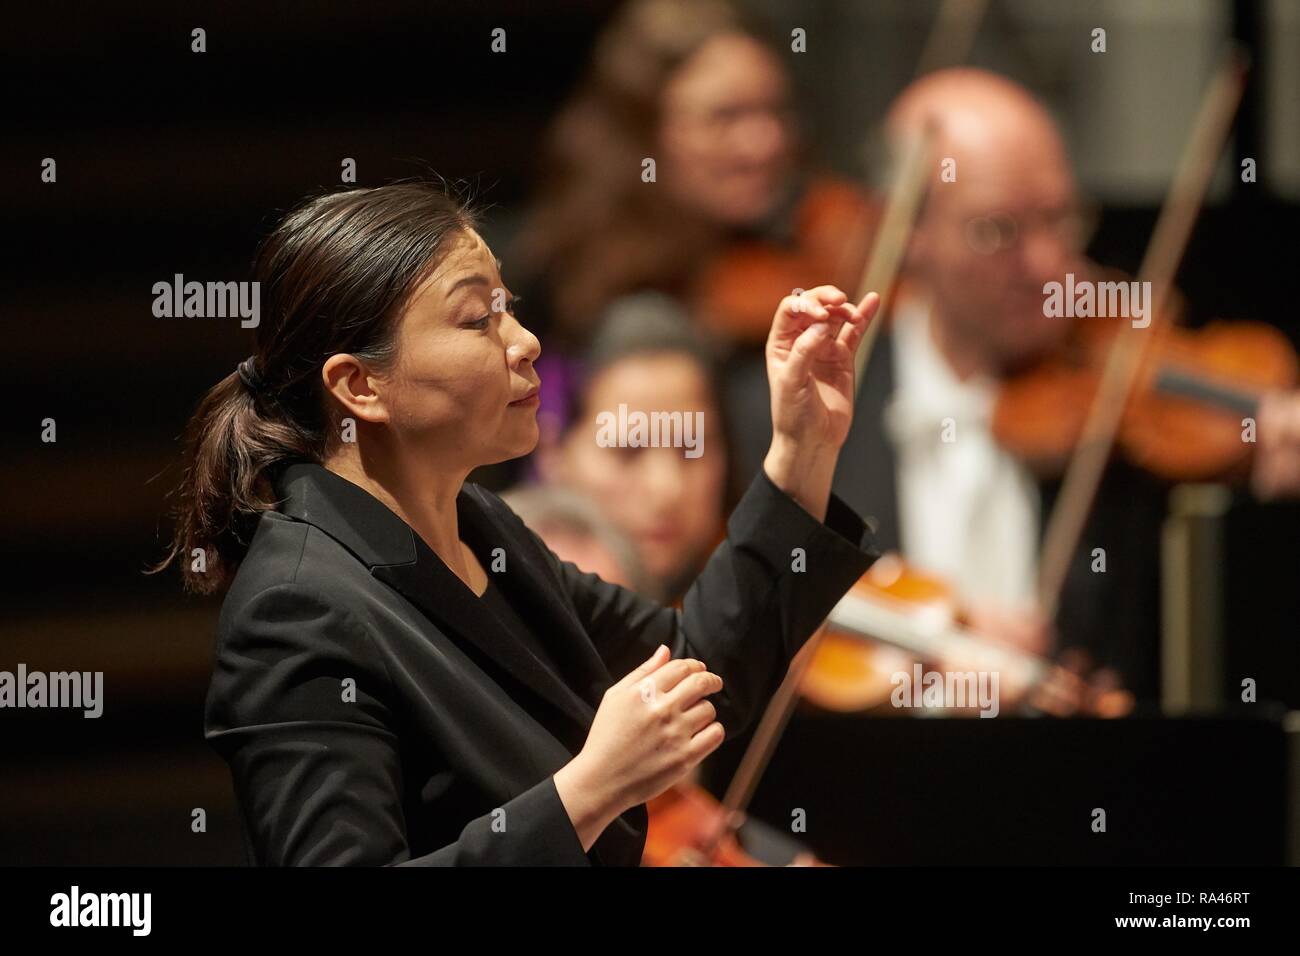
(651, 729)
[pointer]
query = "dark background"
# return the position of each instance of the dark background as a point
(171, 161)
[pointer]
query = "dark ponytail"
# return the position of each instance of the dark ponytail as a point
(335, 276)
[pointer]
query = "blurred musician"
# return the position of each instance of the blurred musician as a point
(676, 167)
(671, 502)
(957, 504)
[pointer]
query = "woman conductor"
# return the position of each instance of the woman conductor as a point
(404, 673)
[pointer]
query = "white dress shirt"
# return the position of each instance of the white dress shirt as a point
(967, 510)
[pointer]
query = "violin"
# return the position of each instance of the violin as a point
(688, 827)
(685, 826)
(895, 615)
(1184, 416)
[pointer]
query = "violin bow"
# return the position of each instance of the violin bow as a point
(881, 271)
(1165, 251)
(948, 43)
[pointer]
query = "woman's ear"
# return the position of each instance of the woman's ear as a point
(348, 380)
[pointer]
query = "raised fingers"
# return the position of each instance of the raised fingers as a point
(811, 305)
(826, 295)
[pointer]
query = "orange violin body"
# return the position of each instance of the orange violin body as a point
(1183, 420)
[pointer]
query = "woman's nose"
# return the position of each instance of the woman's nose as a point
(523, 344)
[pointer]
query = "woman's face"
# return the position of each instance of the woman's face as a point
(463, 361)
(668, 503)
(726, 134)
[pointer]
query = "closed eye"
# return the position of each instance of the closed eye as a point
(482, 323)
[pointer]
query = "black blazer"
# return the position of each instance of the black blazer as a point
(374, 711)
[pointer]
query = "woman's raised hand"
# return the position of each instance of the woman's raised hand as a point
(810, 350)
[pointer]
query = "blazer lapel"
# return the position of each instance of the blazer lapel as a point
(464, 618)
(400, 558)
(534, 592)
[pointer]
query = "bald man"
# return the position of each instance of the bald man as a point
(922, 459)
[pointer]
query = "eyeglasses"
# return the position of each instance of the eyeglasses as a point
(1000, 232)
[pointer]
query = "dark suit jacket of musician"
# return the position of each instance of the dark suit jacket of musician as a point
(1114, 615)
(374, 711)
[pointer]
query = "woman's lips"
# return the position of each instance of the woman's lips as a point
(528, 402)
